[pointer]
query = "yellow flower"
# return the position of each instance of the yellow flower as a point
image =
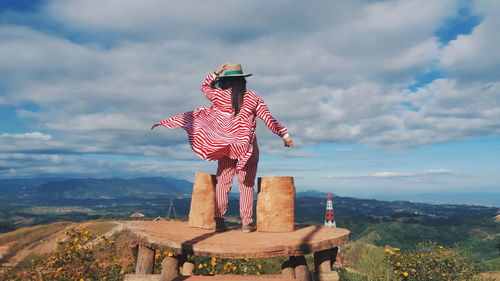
(86, 232)
(405, 274)
(78, 246)
(122, 272)
(59, 268)
(259, 266)
(111, 241)
(234, 268)
(398, 264)
(440, 247)
(200, 265)
(75, 240)
(396, 249)
(58, 239)
(85, 238)
(80, 226)
(170, 254)
(258, 273)
(81, 279)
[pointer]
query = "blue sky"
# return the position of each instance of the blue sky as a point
(394, 97)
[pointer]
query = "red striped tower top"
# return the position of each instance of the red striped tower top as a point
(214, 132)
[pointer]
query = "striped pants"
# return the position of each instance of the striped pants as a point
(226, 170)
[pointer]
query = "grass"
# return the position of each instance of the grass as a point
(100, 227)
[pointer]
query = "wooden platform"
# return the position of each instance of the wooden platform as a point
(156, 277)
(179, 238)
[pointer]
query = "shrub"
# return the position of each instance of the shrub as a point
(430, 261)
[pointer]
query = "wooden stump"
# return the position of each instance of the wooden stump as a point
(287, 270)
(276, 204)
(302, 272)
(145, 260)
(327, 276)
(323, 265)
(169, 268)
(323, 261)
(202, 211)
(187, 268)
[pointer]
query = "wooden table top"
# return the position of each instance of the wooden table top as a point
(178, 237)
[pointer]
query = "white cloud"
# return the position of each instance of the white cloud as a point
(475, 56)
(389, 174)
(29, 136)
(336, 75)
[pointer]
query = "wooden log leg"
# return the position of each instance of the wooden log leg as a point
(181, 259)
(323, 261)
(336, 262)
(134, 249)
(323, 266)
(287, 269)
(187, 268)
(169, 268)
(145, 260)
(302, 272)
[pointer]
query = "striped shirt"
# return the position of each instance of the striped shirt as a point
(214, 132)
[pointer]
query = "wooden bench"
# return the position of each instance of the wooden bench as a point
(228, 277)
(177, 237)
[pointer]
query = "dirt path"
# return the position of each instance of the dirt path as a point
(43, 246)
(46, 245)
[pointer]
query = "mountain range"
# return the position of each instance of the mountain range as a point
(92, 188)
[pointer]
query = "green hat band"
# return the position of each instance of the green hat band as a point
(233, 72)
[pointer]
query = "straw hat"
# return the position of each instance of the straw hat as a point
(234, 70)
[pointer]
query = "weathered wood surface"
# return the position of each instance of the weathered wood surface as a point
(276, 204)
(228, 277)
(169, 269)
(202, 210)
(142, 277)
(179, 238)
(145, 260)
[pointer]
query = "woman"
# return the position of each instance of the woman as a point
(225, 131)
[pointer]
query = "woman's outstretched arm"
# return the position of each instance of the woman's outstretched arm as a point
(274, 126)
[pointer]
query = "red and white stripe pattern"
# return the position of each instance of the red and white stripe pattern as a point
(214, 132)
(246, 178)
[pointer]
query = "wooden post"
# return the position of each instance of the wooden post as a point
(134, 249)
(287, 271)
(323, 261)
(302, 272)
(202, 210)
(276, 204)
(323, 266)
(145, 260)
(169, 268)
(187, 268)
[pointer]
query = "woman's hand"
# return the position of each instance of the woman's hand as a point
(288, 142)
(220, 69)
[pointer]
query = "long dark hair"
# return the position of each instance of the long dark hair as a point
(239, 87)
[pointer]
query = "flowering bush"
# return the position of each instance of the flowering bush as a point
(430, 261)
(212, 265)
(82, 256)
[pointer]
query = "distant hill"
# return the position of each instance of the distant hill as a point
(93, 188)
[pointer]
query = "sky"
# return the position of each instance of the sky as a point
(382, 98)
